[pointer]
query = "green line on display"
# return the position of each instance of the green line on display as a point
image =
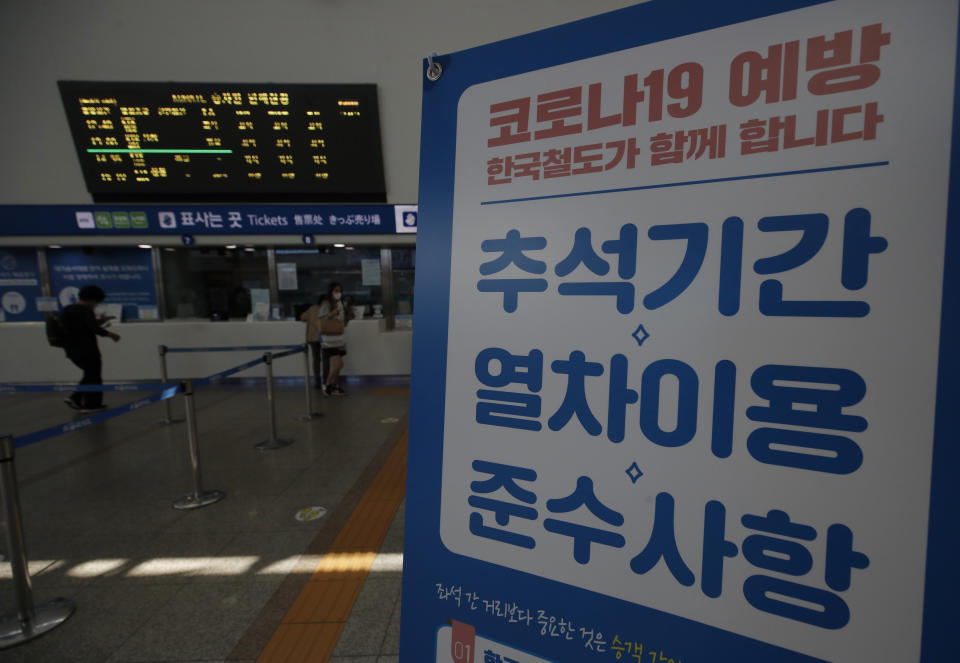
(157, 151)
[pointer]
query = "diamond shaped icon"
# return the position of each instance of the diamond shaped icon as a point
(634, 472)
(640, 335)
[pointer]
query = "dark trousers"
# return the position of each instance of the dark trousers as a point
(89, 361)
(320, 365)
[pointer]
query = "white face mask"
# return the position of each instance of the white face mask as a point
(337, 296)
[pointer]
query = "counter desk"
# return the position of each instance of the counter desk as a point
(372, 350)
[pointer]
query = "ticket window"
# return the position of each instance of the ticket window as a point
(213, 282)
(304, 276)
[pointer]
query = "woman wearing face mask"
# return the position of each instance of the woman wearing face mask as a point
(333, 347)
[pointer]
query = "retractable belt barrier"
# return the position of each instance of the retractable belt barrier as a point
(166, 390)
(230, 348)
(89, 420)
(274, 442)
(163, 351)
(31, 619)
(62, 386)
(216, 377)
(295, 350)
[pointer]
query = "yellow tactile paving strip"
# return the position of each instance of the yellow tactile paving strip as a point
(311, 628)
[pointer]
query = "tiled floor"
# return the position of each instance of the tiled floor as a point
(155, 584)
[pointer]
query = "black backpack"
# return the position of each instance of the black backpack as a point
(57, 334)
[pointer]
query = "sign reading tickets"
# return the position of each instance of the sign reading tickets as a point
(684, 376)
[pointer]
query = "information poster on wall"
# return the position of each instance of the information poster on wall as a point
(126, 275)
(370, 271)
(19, 285)
(259, 304)
(684, 385)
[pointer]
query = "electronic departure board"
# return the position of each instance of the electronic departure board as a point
(226, 142)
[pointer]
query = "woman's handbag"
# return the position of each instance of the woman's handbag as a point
(330, 326)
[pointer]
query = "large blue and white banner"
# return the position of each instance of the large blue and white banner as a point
(126, 275)
(684, 383)
(19, 285)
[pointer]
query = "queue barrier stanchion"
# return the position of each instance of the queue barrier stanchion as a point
(167, 403)
(199, 497)
(233, 348)
(308, 392)
(273, 442)
(31, 620)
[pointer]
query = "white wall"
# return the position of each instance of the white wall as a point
(255, 41)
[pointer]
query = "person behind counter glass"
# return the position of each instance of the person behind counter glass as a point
(332, 347)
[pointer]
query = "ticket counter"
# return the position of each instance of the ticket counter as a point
(372, 350)
(220, 291)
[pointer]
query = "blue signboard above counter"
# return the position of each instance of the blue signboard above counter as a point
(138, 219)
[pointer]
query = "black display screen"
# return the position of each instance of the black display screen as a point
(226, 142)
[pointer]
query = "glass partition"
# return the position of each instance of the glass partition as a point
(303, 276)
(213, 283)
(220, 283)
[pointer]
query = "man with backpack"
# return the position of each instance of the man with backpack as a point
(80, 330)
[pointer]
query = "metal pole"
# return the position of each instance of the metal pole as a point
(168, 403)
(272, 280)
(167, 408)
(43, 266)
(274, 442)
(308, 392)
(387, 288)
(15, 539)
(31, 620)
(158, 286)
(271, 401)
(198, 497)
